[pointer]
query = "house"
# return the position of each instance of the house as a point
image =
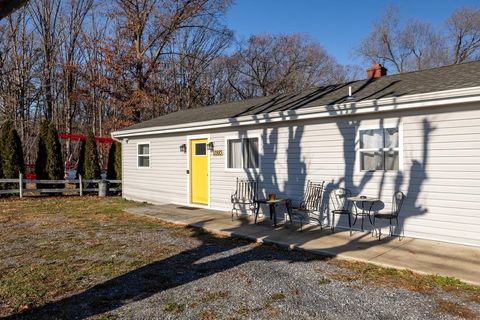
(417, 132)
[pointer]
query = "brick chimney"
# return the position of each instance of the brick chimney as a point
(376, 71)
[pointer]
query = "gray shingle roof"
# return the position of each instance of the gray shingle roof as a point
(438, 79)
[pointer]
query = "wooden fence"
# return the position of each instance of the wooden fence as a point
(79, 186)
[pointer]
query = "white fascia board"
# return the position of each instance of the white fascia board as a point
(430, 99)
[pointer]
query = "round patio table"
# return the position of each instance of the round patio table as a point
(367, 204)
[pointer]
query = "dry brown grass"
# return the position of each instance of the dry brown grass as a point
(455, 309)
(277, 296)
(213, 296)
(173, 307)
(475, 298)
(390, 277)
(58, 246)
(378, 276)
(208, 315)
(53, 247)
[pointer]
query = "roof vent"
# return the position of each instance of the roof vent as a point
(376, 71)
(350, 97)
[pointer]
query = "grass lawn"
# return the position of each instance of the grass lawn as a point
(55, 248)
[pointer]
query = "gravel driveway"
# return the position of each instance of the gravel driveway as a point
(234, 279)
(83, 258)
(253, 282)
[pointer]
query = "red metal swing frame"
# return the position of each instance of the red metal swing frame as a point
(104, 141)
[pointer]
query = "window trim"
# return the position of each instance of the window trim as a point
(400, 148)
(260, 153)
(149, 155)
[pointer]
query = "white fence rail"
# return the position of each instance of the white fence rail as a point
(44, 186)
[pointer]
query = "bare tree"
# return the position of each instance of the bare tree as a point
(95, 87)
(5, 68)
(217, 78)
(416, 45)
(194, 51)
(412, 46)
(45, 17)
(18, 88)
(270, 64)
(72, 17)
(380, 46)
(423, 47)
(464, 34)
(144, 31)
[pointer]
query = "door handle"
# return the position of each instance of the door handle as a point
(187, 171)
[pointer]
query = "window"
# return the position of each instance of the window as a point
(143, 155)
(200, 149)
(242, 153)
(379, 149)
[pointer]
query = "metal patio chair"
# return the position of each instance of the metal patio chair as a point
(245, 194)
(397, 202)
(309, 207)
(341, 205)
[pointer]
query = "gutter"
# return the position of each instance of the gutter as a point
(423, 100)
(115, 139)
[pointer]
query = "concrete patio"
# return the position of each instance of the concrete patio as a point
(422, 256)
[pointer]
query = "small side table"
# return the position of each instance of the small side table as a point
(272, 204)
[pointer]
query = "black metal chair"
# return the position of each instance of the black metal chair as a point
(245, 194)
(341, 205)
(309, 207)
(397, 202)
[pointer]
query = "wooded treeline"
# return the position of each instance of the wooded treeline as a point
(92, 65)
(416, 44)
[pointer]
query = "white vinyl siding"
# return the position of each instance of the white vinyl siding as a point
(440, 176)
(165, 180)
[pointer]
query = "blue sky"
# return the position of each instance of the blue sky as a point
(337, 25)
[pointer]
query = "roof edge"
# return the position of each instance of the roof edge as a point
(429, 99)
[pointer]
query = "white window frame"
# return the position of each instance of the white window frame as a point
(398, 126)
(259, 160)
(149, 155)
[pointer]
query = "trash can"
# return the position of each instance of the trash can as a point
(103, 186)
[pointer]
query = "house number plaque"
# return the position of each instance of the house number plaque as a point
(217, 153)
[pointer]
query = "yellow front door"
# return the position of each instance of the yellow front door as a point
(198, 171)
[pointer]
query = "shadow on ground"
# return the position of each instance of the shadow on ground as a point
(209, 258)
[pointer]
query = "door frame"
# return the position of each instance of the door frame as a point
(189, 196)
